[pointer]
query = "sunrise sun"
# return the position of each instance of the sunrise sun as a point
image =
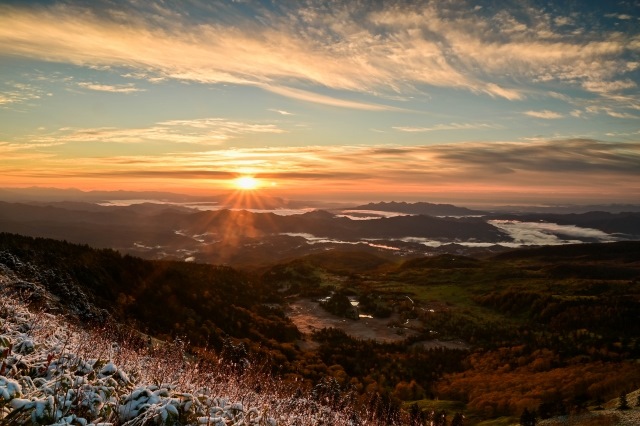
(246, 183)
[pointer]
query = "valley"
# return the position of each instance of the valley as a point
(235, 233)
(550, 328)
(309, 316)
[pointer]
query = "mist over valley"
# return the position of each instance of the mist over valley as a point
(258, 230)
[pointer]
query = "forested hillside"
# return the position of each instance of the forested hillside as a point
(204, 302)
(552, 330)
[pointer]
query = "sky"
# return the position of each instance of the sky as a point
(441, 101)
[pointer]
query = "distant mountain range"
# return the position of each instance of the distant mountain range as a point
(420, 208)
(321, 223)
(255, 200)
(229, 199)
(242, 228)
(568, 209)
(161, 224)
(244, 237)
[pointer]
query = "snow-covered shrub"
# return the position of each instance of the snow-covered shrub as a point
(9, 389)
(55, 373)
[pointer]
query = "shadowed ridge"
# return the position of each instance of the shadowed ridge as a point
(444, 261)
(625, 251)
(348, 261)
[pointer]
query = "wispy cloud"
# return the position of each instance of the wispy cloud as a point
(558, 168)
(120, 88)
(18, 93)
(494, 91)
(612, 100)
(556, 156)
(280, 111)
(600, 108)
(545, 114)
(450, 126)
(7, 147)
(383, 49)
(621, 16)
(307, 96)
(152, 78)
(622, 114)
(207, 131)
(635, 134)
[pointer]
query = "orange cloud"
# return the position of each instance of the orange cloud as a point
(383, 50)
(387, 51)
(120, 88)
(578, 167)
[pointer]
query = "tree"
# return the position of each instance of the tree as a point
(416, 416)
(458, 420)
(440, 418)
(623, 404)
(339, 304)
(528, 418)
(327, 391)
(236, 355)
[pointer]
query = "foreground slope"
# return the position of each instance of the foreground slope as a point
(55, 372)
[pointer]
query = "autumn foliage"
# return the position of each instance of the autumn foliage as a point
(509, 380)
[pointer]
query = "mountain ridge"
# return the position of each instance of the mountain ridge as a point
(431, 209)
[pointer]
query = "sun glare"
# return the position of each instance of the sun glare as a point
(247, 182)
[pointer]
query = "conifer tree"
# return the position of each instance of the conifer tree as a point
(528, 418)
(623, 404)
(440, 418)
(458, 420)
(415, 414)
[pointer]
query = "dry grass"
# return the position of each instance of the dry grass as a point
(58, 372)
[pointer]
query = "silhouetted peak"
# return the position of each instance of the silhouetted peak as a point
(319, 214)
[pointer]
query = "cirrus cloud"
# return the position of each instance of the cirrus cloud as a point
(450, 126)
(205, 131)
(545, 114)
(118, 88)
(375, 49)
